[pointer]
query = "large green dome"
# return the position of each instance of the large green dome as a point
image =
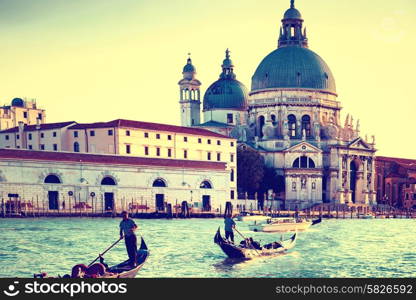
(226, 93)
(293, 67)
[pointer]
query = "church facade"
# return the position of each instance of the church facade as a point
(292, 117)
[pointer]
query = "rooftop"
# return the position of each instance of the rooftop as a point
(101, 159)
(48, 126)
(120, 123)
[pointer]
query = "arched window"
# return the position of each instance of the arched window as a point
(206, 185)
(76, 147)
(262, 121)
(274, 119)
(304, 162)
(108, 181)
(306, 125)
(52, 179)
(159, 183)
(292, 125)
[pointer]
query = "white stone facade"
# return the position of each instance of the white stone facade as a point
(24, 179)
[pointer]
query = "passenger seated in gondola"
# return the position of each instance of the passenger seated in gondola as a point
(250, 243)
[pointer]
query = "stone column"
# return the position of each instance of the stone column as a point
(348, 192)
(373, 193)
(365, 181)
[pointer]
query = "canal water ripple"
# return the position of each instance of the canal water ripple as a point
(185, 248)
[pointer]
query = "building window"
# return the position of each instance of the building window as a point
(169, 152)
(218, 156)
(55, 147)
(146, 150)
(128, 149)
(29, 136)
(42, 135)
(146, 135)
(292, 126)
(209, 155)
(313, 185)
(232, 144)
(199, 141)
(232, 175)
(110, 132)
(39, 116)
(205, 185)
(294, 186)
(157, 151)
(232, 158)
(76, 147)
(92, 133)
(54, 134)
(219, 143)
(230, 119)
(306, 125)
(185, 154)
(232, 195)
(127, 132)
(42, 147)
(169, 137)
(75, 134)
(30, 147)
(25, 114)
(185, 139)
(158, 136)
(7, 137)
(303, 162)
(209, 142)
(17, 137)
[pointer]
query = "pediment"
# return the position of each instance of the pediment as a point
(303, 147)
(359, 144)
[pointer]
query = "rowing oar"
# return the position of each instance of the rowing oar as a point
(247, 241)
(108, 249)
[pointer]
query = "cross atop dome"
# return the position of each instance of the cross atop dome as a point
(292, 3)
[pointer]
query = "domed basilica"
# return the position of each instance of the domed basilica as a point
(292, 118)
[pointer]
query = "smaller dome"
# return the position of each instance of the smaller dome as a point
(292, 13)
(226, 93)
(18, 102)
(189, 67)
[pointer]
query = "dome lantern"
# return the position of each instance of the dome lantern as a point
(291, 31)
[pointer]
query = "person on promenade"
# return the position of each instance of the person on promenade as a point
(229, 228)
(128, 228)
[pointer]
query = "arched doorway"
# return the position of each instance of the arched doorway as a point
(53, 196)
(159, 197)
(206, 199)
(108, 196)
(353, 180)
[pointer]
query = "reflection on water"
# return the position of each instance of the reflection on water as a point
(185, 248)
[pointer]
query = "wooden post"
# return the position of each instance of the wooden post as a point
(3, 208)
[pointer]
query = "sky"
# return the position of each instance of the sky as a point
(99, 60)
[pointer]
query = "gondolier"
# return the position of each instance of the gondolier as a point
(229, 226)
(127, 229)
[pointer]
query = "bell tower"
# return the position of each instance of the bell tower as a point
(292, 32)
(190, 96)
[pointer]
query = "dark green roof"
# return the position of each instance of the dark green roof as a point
(226, 93)
(213, 124)
(293, 67)
(292, 13)
(189, 67)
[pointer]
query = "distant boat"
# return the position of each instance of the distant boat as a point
(249, 251)
(284, 225)
(366, 216)
(250, 217)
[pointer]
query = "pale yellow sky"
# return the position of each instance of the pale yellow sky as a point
(98, 60)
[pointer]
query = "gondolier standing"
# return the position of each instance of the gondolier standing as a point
(127, 229)
(229, 226)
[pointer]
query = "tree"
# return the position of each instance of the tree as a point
(250, 170)
(270, 180)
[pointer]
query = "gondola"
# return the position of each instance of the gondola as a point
(124, 270)
(100, 270)
(249, 251)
